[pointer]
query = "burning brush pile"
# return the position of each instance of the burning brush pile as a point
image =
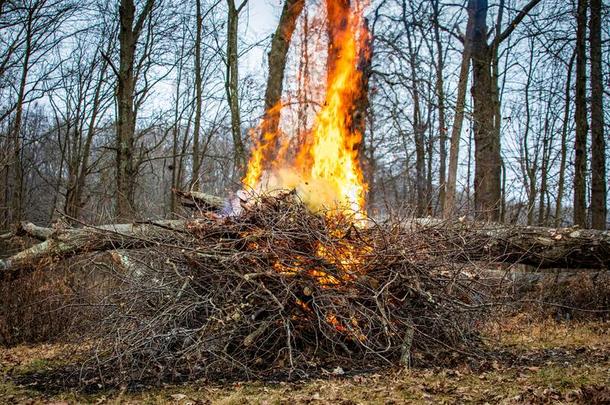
(281, 291)
(290, 282)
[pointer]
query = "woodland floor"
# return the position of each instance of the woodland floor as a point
(531, 362)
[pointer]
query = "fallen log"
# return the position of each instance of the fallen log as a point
(68, 242)
(535, 246)
(30, 230)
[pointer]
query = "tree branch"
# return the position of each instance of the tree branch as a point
(511, 27)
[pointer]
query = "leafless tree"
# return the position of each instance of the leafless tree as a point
(232, 80)
(599, 184)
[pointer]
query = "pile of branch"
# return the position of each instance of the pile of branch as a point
(277, 291)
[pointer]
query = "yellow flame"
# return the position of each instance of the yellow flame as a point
(326, 171)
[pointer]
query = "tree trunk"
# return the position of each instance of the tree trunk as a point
(125, 166)
(361, 104)
(70, 242)
(530, 168)
(547, 141)
(440, 95)
(458, 120)
(598, 140)
(536, 246)
(580, 140)
(337, 12)
(487, 107)
(15, 179)
(232, 84)
(487, 177)
(418, 125)
(74, 200)
(198, 98)
(564, 147)
(277, 64)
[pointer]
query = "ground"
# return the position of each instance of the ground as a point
(534, 362)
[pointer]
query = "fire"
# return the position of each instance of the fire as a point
(325, 171)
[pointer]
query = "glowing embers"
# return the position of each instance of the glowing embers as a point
(317, 257)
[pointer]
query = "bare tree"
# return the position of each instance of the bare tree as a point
(39, 22)
(580, 140)
(458, 120)
(130, 29)
(232, 81)
(487, 120)
(418, 124)
(564, 143)
(198, 97)
(440, 94)
(598, 140)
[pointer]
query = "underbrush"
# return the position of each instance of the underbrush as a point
(574, 295)
(53, 303)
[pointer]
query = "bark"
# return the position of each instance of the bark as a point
(547, 140)
(487, 106)
(175, 171)
(530, 168)
(526, 278)
(303, 78)
(74, 195)
(580, 139)
(536, 246)
(361, 103)
(200, 201)
(598, 140)
(440, 94)
(15, 168)
(126, 171)
(337, 12)
(69, 242)
(33, 231)
(418, 125)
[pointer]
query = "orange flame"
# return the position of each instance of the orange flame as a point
(326, 171)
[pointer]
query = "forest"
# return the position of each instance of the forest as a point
(258, 200)
(98, 123)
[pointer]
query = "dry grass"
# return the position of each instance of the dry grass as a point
(528, 331)
(552, 363)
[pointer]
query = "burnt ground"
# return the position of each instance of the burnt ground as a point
(526, 361)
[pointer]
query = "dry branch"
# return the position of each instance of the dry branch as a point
(29, 229)
(535, 246)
